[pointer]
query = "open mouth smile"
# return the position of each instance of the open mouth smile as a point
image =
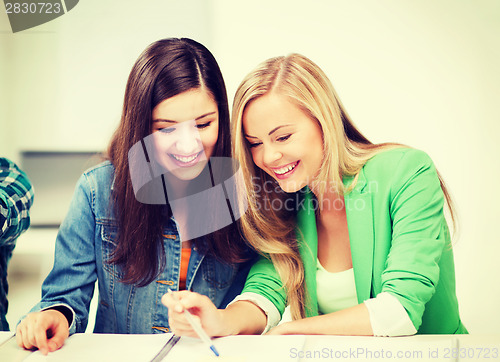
(285, 171)
(186, 161)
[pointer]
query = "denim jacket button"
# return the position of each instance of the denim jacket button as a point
(166, 282)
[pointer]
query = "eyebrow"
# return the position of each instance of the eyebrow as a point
(271, 132)
(196, 119)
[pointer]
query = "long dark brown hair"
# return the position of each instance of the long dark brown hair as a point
(166, 68)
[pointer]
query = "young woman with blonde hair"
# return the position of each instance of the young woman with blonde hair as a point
(353, 235)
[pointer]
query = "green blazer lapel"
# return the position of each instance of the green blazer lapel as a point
(307, 237)
(361, 237)
(358, 206)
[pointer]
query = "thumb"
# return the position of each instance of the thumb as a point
(197, 303)
(60, 334)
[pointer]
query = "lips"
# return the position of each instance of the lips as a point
(285, 171)
(186, 160)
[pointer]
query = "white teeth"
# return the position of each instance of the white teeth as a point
(184, 158)
(285, 169)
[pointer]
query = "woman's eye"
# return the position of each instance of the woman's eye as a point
(166, 130)
(203, 125)
(255, 144)
(283, 138)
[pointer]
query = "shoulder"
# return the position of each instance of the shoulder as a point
(400, 156)
(10, 171)
(14, 181)
(97, 179)
(97, 184)
(399, 170)
(100, 174)
(102, 169)
(401, 160)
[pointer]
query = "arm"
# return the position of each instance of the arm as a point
(381, 316)
(16, 197)
(350, 321)
(68, 289)
(419, 234)
(244, 317)
(241, 317)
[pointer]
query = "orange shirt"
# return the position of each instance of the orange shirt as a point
(185, 255)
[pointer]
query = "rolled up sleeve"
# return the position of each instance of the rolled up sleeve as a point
(419, 234)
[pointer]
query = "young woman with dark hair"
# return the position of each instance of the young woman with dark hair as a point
(125, 232)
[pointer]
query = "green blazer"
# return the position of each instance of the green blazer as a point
(399, 239)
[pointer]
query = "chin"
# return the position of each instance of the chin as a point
(187, 174)
(290, 186)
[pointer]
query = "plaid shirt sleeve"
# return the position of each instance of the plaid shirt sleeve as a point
(16, 197)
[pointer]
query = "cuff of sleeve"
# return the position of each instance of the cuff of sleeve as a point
(388, 317)
(271, 312)
(68, 312)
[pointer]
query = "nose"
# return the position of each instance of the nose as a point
(187, 140)
(271, 155)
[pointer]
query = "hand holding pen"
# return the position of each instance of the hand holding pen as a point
(193, 323)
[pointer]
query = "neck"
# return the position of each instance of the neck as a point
(176, 188)
(330, 199)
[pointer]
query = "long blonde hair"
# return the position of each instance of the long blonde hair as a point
(345, 152)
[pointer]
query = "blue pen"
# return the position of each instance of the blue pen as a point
(197, 327)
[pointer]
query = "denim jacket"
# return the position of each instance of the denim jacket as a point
(85, 242)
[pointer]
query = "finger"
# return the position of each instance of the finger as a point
(185, 333)
(195, 300)
(278, 330)
(168, 299)
(183, 295)
(178, 319)
(23, 333)
(57, 341)
(182, 330)
(60, 332)
(180, 294)
(178, 322)
(44, 327)
(165, 299)
(29, 334)
(172, 303)
(181, 326)
(40, 336)
(19, 336)
(175, 296)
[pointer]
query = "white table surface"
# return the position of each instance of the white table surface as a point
(137, 348)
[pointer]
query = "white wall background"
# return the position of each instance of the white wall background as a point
(420, 72)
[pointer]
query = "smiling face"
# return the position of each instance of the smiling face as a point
(284, 141)
(185, 129)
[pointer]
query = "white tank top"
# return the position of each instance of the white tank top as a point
(335, 291)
